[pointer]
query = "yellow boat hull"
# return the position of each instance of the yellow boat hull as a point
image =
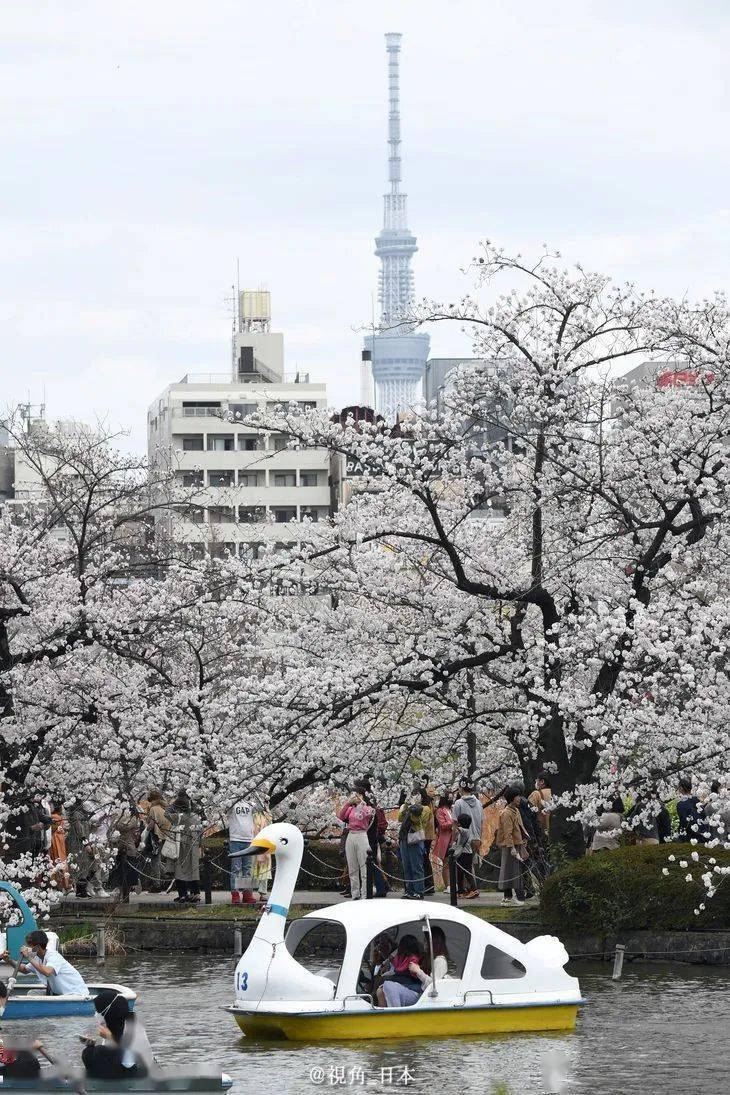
(397, 1023)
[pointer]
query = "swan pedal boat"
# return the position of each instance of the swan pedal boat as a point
(495, 984)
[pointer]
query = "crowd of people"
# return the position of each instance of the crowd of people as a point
(155, 845)
(432, 830)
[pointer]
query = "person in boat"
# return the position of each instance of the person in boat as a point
(125, 1052)
(50, 967)
(18, 1064)
(403, 986)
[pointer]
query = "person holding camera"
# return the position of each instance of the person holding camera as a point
(358, 816)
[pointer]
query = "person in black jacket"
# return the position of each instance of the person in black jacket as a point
(692, 824)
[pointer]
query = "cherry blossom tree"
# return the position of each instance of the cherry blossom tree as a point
(542, 560)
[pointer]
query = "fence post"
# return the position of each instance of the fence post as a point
(618, 961)
(123, 877)
(100, 943)
(207, 879)
(237, 941)
(369, 876)
(453, 892)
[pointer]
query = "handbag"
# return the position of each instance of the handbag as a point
(149, 843)
(171, 845)
(415, 836)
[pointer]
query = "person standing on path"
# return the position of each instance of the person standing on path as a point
(157, 828)
(444, 826)
(189, 829)
(468, 803)
(376, 835)
(411, 837)
(539, 799)
(512, 839)
(358, 816)
(240, 835)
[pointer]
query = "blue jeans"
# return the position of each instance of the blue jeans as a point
(411, 856)
(241, 869)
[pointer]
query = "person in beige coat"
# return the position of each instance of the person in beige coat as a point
(512, 840)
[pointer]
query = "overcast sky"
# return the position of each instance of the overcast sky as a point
(147, 146)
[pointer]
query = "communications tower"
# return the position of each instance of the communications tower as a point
(398, 354)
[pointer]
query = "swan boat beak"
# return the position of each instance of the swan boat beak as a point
(258, 846)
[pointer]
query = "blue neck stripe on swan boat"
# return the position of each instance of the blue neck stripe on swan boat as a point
(282, 910)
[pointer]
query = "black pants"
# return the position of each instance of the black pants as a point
(187, 888)
(24, 1067)
(105, 1063)
(465, 881)
(427, 869)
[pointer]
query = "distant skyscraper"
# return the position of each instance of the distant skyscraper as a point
(398, 354)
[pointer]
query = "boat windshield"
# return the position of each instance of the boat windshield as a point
(318, 945)
(450, 938)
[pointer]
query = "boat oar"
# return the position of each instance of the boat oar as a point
(77, 1085)
(11, 985)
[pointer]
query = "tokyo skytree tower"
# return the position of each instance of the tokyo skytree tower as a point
(398, 355)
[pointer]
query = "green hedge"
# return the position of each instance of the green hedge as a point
(626, 889)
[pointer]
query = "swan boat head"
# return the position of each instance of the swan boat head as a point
(266, 970)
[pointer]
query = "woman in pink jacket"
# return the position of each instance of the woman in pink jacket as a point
(358, 817)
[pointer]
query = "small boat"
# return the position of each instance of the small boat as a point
(29, 999)
(161, 1082)
(494, 984)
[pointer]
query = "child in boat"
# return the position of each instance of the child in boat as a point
(403, 986)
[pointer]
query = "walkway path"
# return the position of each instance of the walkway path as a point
(158, 902)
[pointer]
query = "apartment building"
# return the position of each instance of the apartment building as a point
(244, 487)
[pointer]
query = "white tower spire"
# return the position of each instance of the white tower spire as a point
(399, 356)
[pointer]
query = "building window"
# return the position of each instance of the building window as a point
(194, 443)
(308, 479)
(224, 478)
(279, 441)
(251, 479)
(243, 410)
(191, 513)
(284, 479)
(251, 515)
(220, 515)
(307, 404)
(221, 551)
(220, 442)
(248, 444)
(248, 551)
(284, 514)
(314, 513)
(191, 479)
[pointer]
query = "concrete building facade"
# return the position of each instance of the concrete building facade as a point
(243, 487)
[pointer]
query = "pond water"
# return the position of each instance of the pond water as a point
(662, 1028)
